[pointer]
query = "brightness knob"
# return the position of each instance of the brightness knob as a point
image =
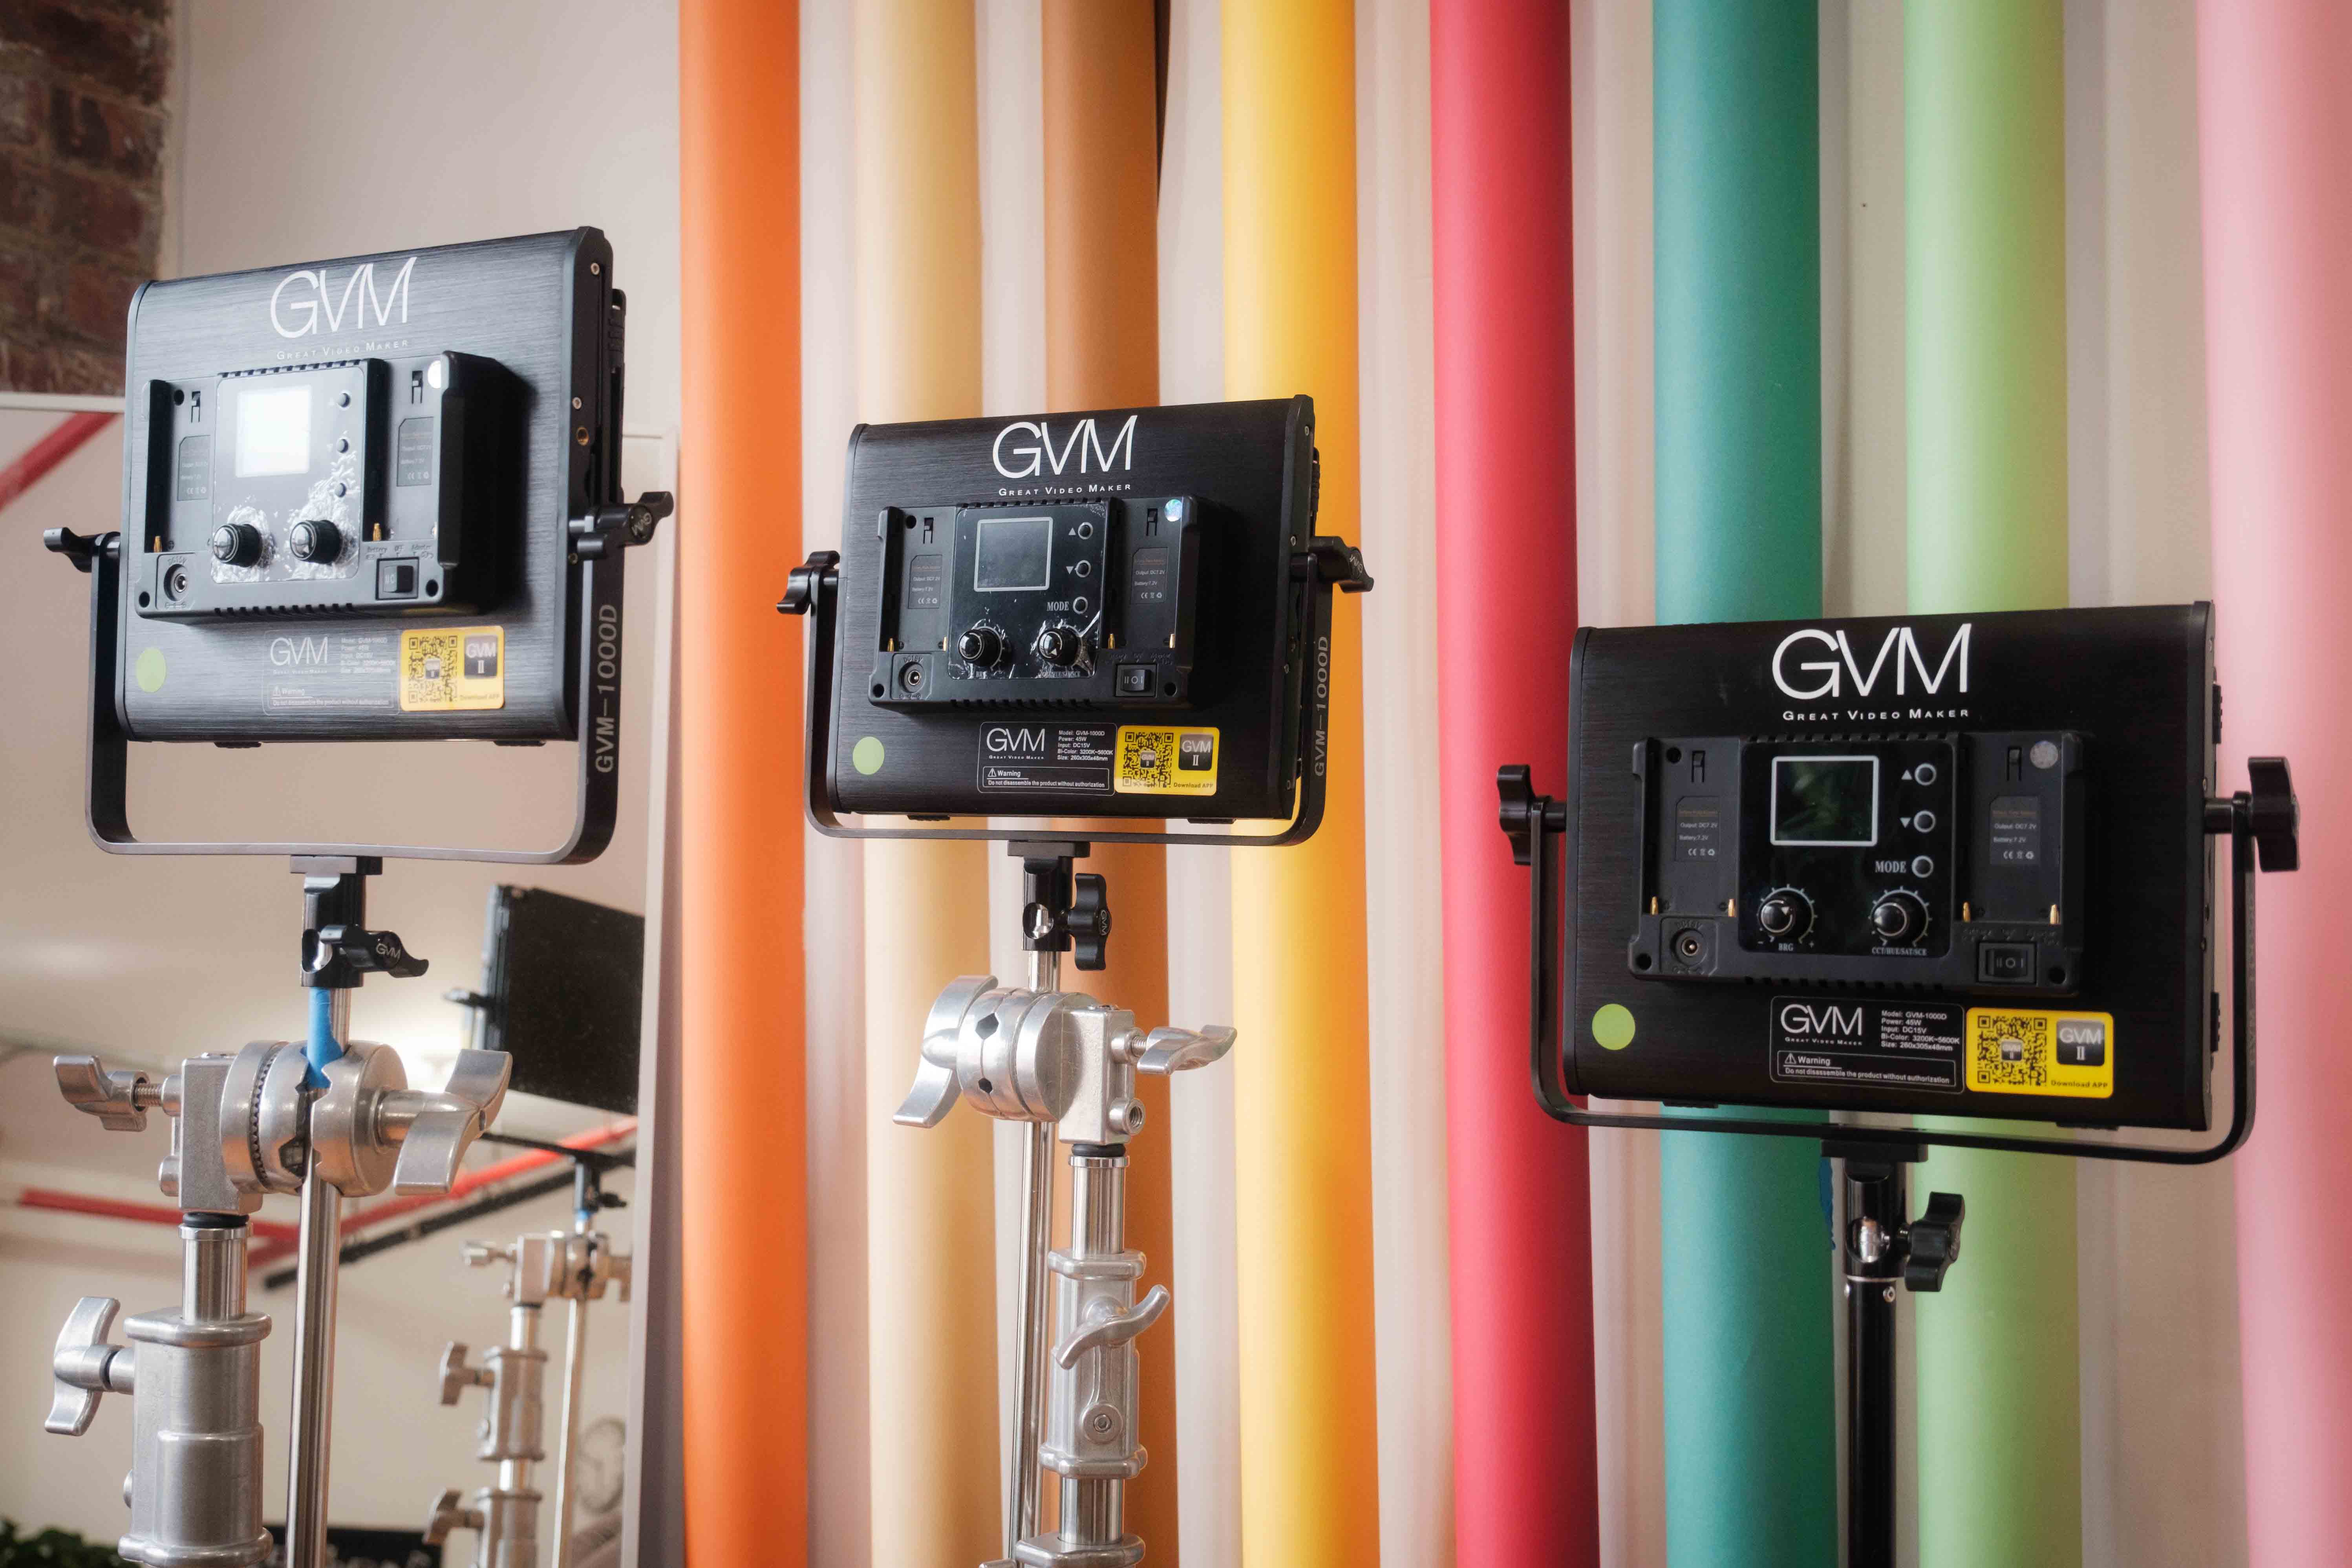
(1898, 918)
(982, 648)
(314, 540)
(1059, 647)
(1785, 914)
(236, 545)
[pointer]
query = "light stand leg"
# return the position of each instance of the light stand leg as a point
(1036, 1329)
(1876, 1204)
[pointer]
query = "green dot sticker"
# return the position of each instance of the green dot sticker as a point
(867, 755)
(1613, 1027)
(150, 669)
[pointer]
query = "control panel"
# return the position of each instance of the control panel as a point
(1000, 606)
(1939, 860)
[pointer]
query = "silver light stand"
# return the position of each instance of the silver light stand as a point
(245, 1126)
(576, 1266)
(1067, 1064)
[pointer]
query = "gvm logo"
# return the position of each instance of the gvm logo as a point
(1036, 453)
(1830, 675)
(1000, 739)
(304, 299)
(286, 652)
(1822, 1018)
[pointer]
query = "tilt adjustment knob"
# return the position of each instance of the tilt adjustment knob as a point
(314, 540)
(1899, 918)
(1059, 647)
(982, 648)
(1785, 914)
(236, 545)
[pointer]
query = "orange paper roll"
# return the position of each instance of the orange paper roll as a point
(1302, 1091)
(931, 1268)
(742, 1149)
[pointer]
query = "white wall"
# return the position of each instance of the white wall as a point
(310, 129)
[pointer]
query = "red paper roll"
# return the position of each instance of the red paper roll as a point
(1524, 1492)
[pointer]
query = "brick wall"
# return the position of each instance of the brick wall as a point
(82, 89)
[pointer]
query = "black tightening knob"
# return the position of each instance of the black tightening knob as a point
(236, 545)
(314, 540)
(1898, 917)
(1059, 645)
(982, 648)
(1787, 913)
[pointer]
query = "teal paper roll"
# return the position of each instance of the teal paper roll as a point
(1751, 1401)
(1984, 116)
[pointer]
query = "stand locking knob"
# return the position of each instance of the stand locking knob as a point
(119, 1098)
(443, 1126)
(1935, 1239)
(1088, 920)
(456, 1376)
(2274, 814)
(86, 1366)
(449, 1513)
(1115, 1329)
(362, 951)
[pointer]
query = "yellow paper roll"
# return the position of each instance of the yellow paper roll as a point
(1102, 351)
(930, 1228)
(1302, 1090)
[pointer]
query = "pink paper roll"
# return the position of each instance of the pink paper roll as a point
(2276, 116)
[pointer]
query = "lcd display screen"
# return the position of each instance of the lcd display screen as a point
(1011, 553)
(1826, 801)
(273, 430)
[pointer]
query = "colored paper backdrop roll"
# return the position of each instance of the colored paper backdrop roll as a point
(1302, 1094)
(930, 1229)
(1102, 351)
(743, 1150)
(2276, 118)
(1751, 1396)
(1519, 1203)
(1984, 125)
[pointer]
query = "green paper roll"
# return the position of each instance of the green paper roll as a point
(1750, 1400)
(1999, 1422)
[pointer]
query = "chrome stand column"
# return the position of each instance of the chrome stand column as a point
(1036, 1327)
(317, 1275)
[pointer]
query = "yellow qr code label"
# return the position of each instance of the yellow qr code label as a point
(1153, 761)
(448, 668)
(2015, 1051)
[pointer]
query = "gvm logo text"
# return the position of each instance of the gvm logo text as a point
(1829, 676)
(1035, 452)
(303, 301)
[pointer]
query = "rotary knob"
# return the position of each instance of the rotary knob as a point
(1899, 918)
(236, 545)
(1059, 645)
(1785, 914)
(982, 648)
(314, 540)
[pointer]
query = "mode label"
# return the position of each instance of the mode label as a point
(1893, 1044)
(2020, 1051)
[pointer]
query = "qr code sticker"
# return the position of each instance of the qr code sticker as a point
(429, 669)
(2009, 1050)
(1147, 758)
(1153, 761)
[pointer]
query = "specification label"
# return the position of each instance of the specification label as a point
(1910, 1045)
